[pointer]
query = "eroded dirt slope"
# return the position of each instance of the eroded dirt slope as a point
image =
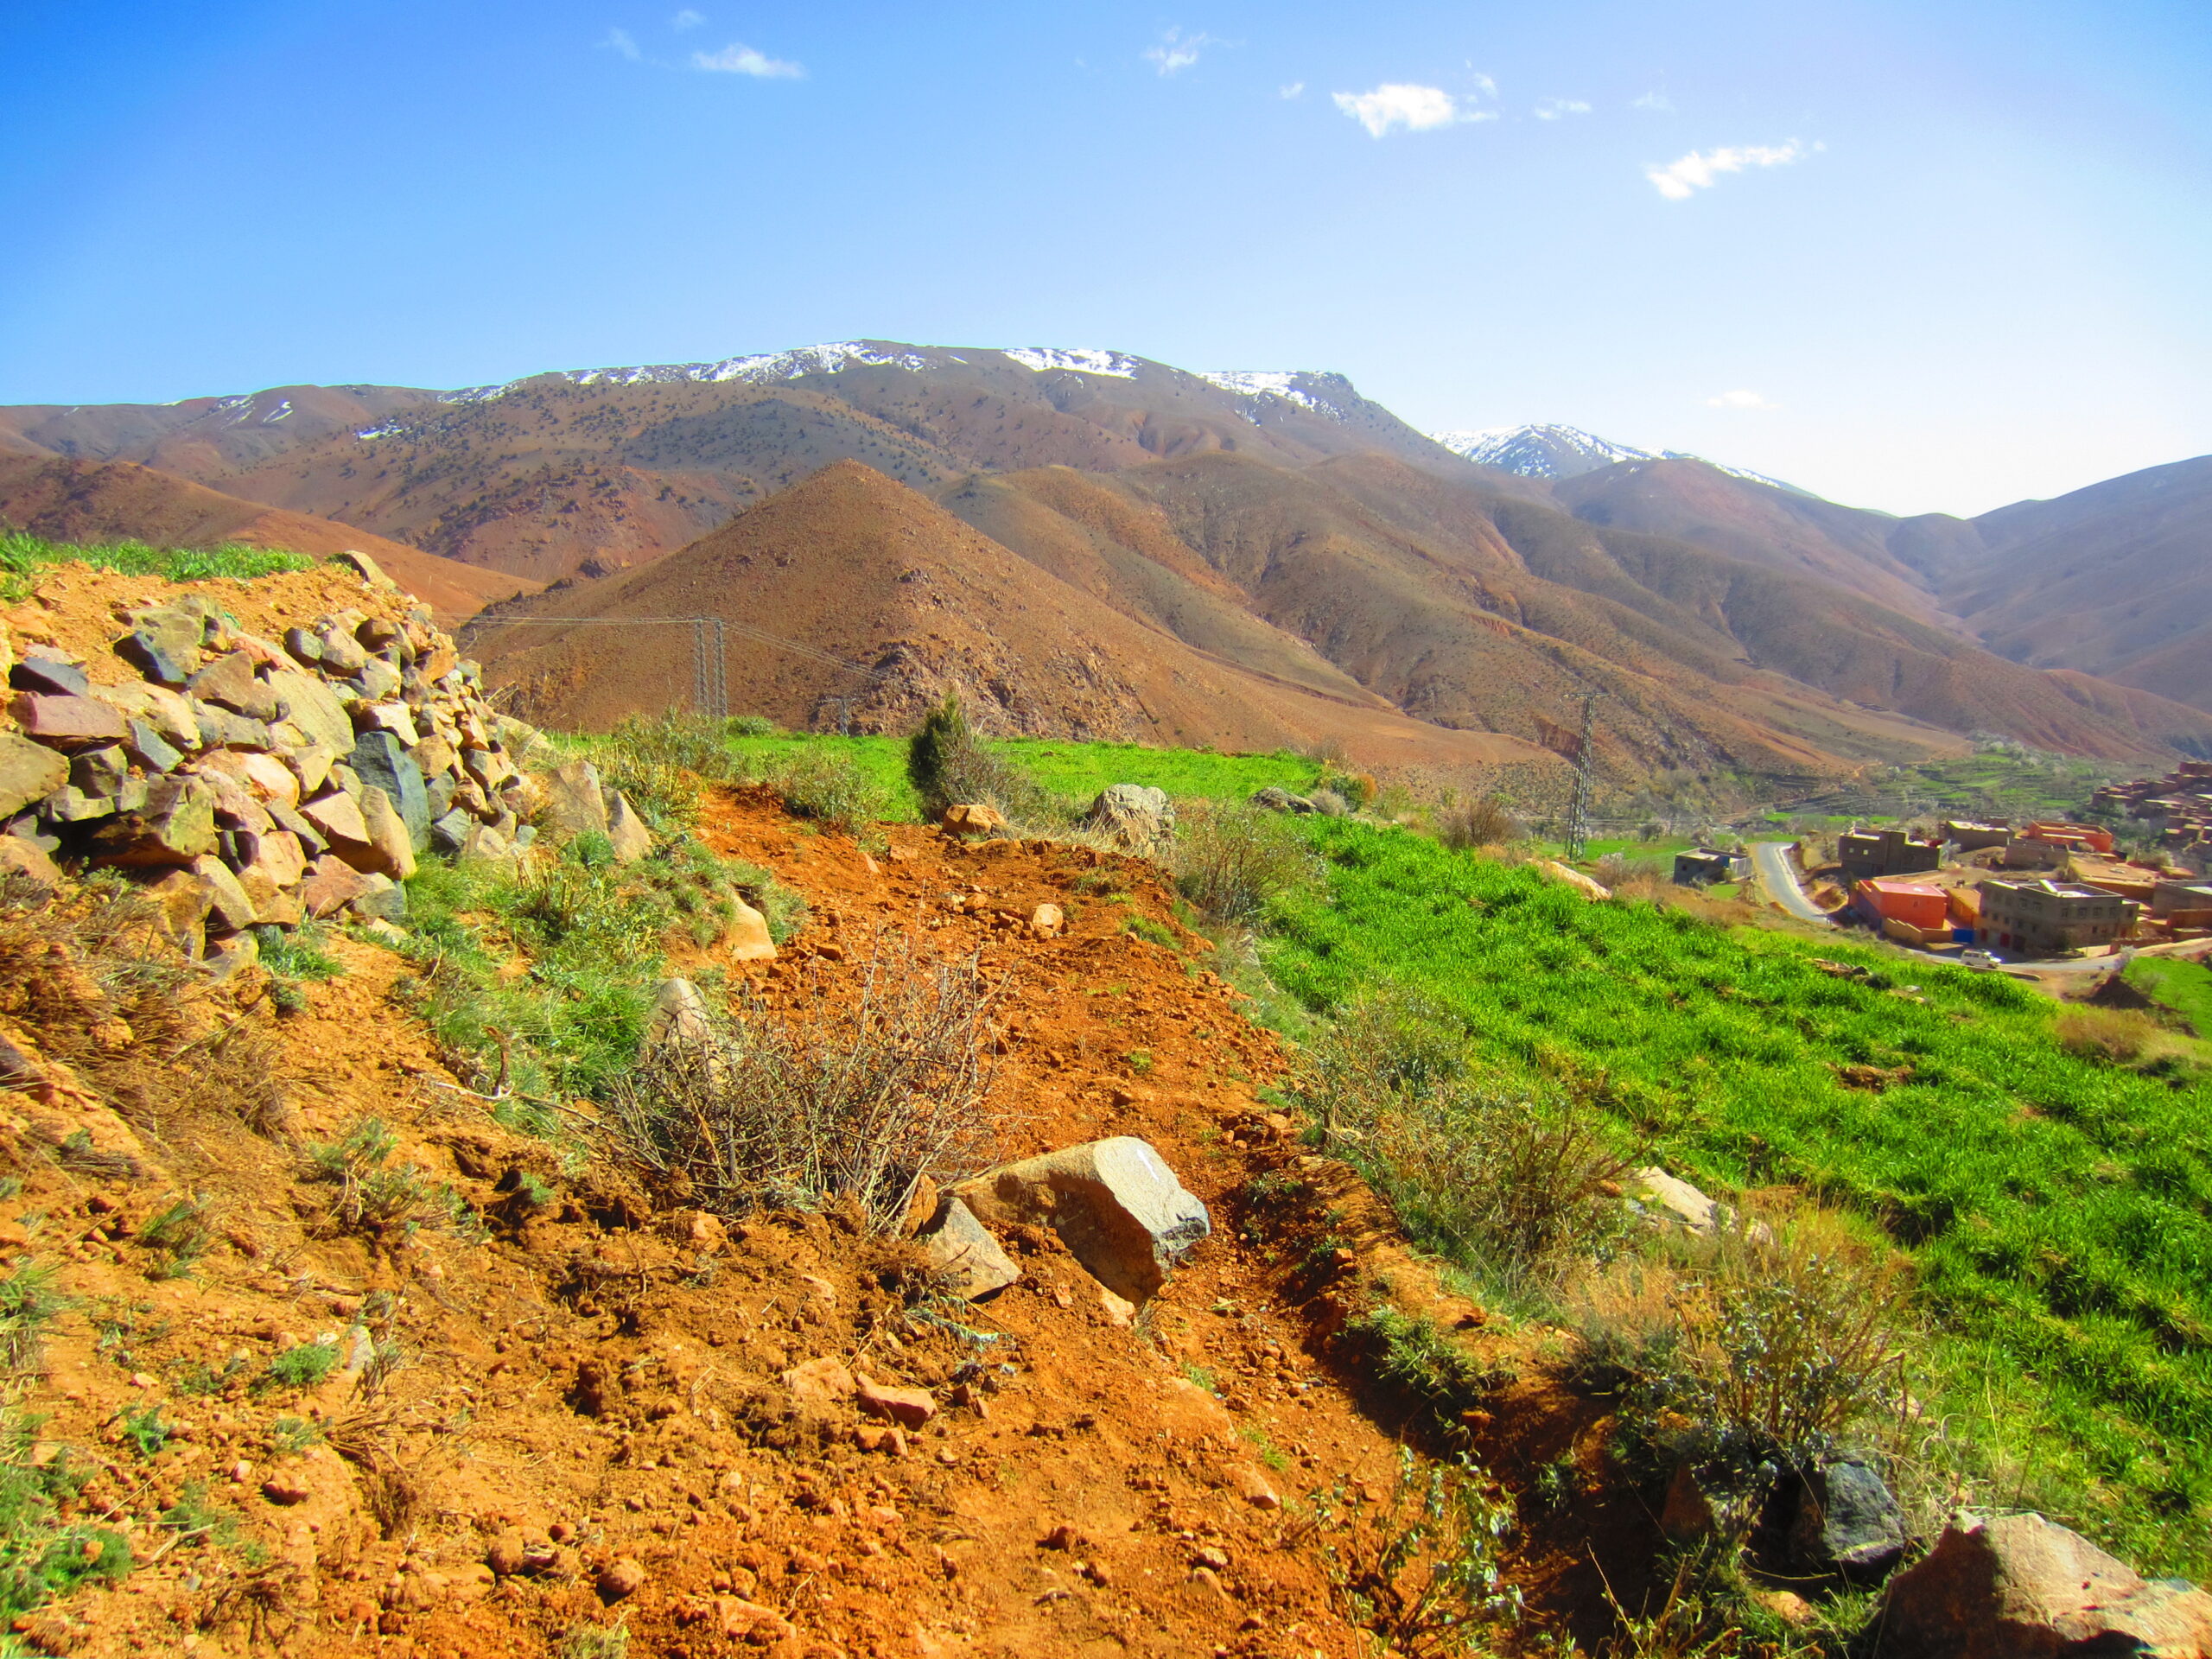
(591, 1411)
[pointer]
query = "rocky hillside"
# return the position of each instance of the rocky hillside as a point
(341, 1310)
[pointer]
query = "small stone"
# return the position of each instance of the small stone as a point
(632, 841)
(965, 1254)
(908, 1407)
(823, 1381)
(973, 819)
(1216, 1559)
(507, 1553)
(286, 1489)
(1063, 1536)
(620, 1578)
(1047, 921)
(747, 934)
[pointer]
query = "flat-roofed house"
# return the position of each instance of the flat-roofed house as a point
(2040, 916)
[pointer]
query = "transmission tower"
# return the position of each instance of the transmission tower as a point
(1578, 813)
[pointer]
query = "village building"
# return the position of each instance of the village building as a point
(2182, 904)
(1701, 867)
(1969, 835)
(1864, 853)
(2041, 916)
(1892, 904)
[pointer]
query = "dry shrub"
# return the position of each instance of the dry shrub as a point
(1508, 1182)
(1233, 861)
(1787, 1335)
(98, 986)
(1481, 822)
(397, 1495)
(1390, 1045)
(2121, 1035)
(855, 1101)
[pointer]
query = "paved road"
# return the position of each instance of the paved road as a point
(1770, 860)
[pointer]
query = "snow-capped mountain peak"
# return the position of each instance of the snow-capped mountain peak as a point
(1550, 451)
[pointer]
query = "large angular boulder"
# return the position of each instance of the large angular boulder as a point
(43, 670)
(309, 703)
(165, 641)
(176, 825)
(390, 848)
(1141, 819)
(2018, 1586)
(29, 772)
(573, 804)
(964, 1254)
(748, 938)
(1115, 1203)
(381, 760)
(681, 1030)
(69, 722)
(1847, 1524)
(632, 841)
(229, 683)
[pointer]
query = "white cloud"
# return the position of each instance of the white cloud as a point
(1551, 108)
(1658, 101)
(617, 39)
(1294, 89)
(1742, 398)
(1417, 109)
(1678, 181)
(1178, 51)
(735, 60)
(685, 19)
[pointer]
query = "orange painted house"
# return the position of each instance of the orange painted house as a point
(1891, 899)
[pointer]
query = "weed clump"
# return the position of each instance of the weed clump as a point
(23, 556)
(856, 1104)
(1481, 822)
(829, 789)
(374, 1195)
(1421, 1571)
(1234, 862)
(2120, 1035)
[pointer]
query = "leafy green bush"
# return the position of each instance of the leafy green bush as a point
(948, 765)
(307, 1366)
(44, 1553)
(31, 1298)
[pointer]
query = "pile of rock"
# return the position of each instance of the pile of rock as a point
(242, 781)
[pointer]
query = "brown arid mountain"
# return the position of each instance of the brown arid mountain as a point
(2114, 580)
(896, 602)
(105, 502)
(1279, 525)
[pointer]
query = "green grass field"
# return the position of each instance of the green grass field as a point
(1078, 771)
(2058, 1210)
(2185, 987)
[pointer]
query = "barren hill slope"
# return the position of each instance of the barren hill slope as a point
(1757, 628)
(861, 570)
(2114, 580)
(103, 501)
(598, 470)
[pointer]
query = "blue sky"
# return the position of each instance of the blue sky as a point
(1915, 256)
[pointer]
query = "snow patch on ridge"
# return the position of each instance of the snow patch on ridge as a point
(1308, 389)
(1082, 359)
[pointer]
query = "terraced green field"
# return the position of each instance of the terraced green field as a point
(2058, 1210)
(1078, 771)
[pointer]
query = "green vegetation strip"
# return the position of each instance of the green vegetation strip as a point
(1074, 771)
(2058, 1210)
(23, 556)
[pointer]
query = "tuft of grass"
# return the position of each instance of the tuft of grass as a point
(829, 788)
(31, 1298)
(307, 1366)
(2120, 1035)
(143, 1426)
(596, 1642)
(375, 1195)
(178, 1237)
(1411, 1351)
(45, 1554)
